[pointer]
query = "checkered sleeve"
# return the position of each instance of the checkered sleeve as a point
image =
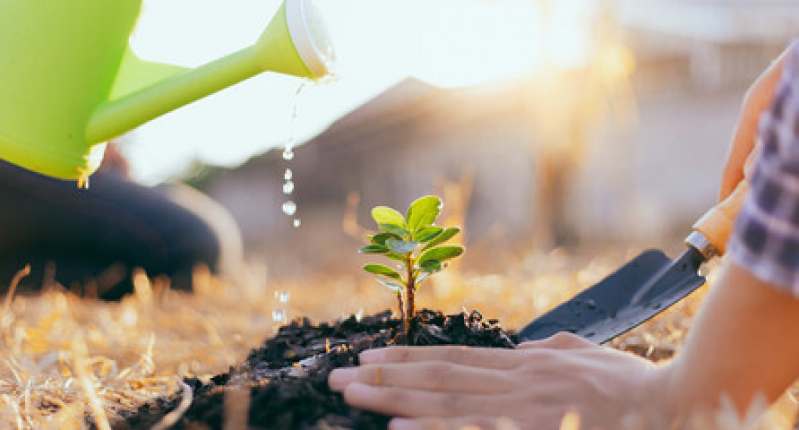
(765, 240)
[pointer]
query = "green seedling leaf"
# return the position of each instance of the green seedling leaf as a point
(394, 286)
(373, 249)
(423, 212)
(428, 233)
(379, 269)
(431, 266)
(393, 230)
(380, 238)
(400, 246)
(446, 235)
(386, 215)
(440, 254)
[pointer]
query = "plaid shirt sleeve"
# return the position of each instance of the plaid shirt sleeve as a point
(765, 240)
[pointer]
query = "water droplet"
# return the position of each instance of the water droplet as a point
(278, 315)
(297, 223)
(289, 208)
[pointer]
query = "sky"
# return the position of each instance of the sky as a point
(447, 43)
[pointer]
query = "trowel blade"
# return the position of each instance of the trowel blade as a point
(639, 290)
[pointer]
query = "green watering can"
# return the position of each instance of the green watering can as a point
(69, 82)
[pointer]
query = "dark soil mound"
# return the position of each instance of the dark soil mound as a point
(286, 378)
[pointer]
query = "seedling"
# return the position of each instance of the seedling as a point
(413, 241)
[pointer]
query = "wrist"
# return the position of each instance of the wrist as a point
(658, 398)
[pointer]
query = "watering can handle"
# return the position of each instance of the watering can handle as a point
(717, 223)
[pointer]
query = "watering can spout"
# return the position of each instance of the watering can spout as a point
(145, 90)
(152, 97)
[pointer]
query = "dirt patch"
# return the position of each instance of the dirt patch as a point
(283, 384)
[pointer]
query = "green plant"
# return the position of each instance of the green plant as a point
(413, 240)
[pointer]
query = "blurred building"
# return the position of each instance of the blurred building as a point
(720, 41)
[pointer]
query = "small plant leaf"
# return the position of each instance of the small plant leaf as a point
(430, 266)
(394, 286)
(401, 246)
(423, 212)
(373, 249)
(386, 215)
(440, 254)
(379, 269)
(380, 238)
(445, 235)
(428, 233)
(393, 230)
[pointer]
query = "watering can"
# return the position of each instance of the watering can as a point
(69, 81)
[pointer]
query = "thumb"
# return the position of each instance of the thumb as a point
(562, 340)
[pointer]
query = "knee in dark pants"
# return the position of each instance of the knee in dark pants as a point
(89, 237)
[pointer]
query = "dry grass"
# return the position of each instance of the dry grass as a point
(65, 358)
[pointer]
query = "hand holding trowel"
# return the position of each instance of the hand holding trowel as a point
(643, 287)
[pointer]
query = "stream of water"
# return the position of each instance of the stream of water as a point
(289, 207)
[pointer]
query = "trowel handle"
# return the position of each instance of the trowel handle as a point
(717, 223)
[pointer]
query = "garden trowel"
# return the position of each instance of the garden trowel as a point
(644, 287)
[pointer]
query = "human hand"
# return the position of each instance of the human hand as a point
(757, 99)
(534, 385)
(114, 160)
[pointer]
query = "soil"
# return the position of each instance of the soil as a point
(285, 379)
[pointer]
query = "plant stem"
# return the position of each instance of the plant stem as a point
(401, 305)
(410, 286)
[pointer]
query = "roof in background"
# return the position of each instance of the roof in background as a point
(714, 20)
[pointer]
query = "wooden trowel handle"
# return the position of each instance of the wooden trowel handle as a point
(717, 223)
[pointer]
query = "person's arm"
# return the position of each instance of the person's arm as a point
(745, 341)
(754, 311)
(757, 99)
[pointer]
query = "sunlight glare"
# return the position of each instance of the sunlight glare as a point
(453, 43)
(566, 27)
(456, 43)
